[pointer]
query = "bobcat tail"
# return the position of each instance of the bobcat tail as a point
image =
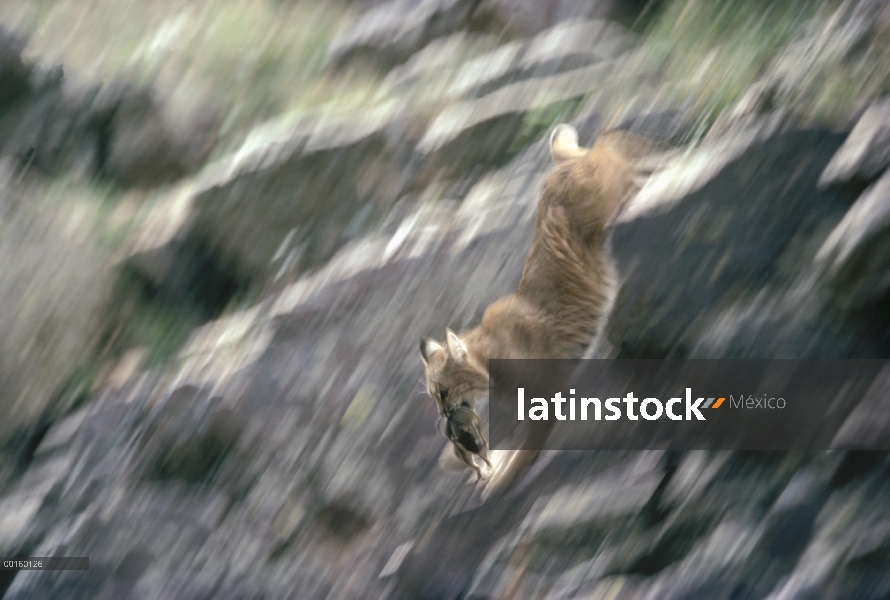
(564, 143)
(641, 154)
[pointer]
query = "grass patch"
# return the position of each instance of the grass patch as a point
(715, 49)
(251, 59)
(711, 51)
(841, 85)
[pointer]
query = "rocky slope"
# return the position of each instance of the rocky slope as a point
(289, 450)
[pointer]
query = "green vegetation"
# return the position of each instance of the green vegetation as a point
(708, 54)
(713, 50)
(840, 86)
(250, 59)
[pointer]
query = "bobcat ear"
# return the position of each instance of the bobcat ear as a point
(564, 143)
(427, 347)
(456, 348)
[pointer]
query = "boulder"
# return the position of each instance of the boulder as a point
(389, 33)
(794, 79)
(528, 17)
(617, 493)
(48, 129)
(868, 425)
(739, 254)
(285, 202)
(574, 44)
(866, 151)
(143, 141)
(436, 61)
(14, 72)
(489, 71)
(118, 131)
(855, 257)
(847, 553)
(567, 46)
(480, 132)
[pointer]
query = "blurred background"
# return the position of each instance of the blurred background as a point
(225, 224)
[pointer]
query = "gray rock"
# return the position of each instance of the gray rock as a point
(702, 571)
(48, 129)
(14, 72)
(778, 322)
(287, 201)
(528, 17)
(61, 434)
(694, 473)
(847, 556)
(54, 291)
(143, 142)
(866, 152)
(489, 71)
(119, 131)
(795, 77)
(30, 494)
(855, 258)
(787, 529)
(389, 33)
(567, 46)
(723, 248)
(435, 60)
(695, 168)
(869, 424)
(623, 491)
(479, 132)
(573, 44)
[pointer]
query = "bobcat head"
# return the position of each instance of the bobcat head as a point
(453, 377)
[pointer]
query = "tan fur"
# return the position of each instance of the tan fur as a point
(568, 280)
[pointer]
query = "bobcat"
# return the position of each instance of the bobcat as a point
(566, 288)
